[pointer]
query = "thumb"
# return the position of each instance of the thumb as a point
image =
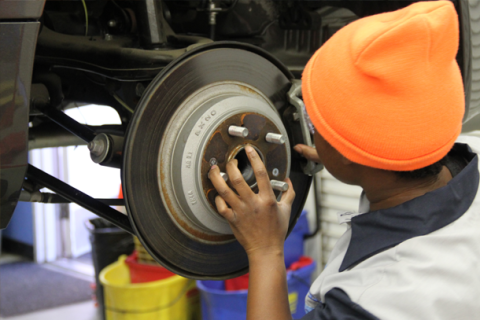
(307, 152)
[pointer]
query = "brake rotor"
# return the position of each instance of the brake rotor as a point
(180, 129)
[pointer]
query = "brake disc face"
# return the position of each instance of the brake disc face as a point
(179, 130)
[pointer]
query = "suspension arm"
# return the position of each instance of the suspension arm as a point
(68, 192)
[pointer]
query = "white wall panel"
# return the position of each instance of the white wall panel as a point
(335, 197)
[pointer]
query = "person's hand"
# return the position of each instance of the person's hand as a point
(258, 221)
(307, 152)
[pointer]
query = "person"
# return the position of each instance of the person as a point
(386, 99)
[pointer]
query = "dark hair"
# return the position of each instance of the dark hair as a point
(426, 172)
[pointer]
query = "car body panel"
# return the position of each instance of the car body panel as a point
(17, 40)
(21, 9)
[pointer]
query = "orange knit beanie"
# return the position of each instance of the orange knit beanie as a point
(385, 91)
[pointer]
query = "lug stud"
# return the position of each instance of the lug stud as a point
(237, 131)
(279, 185)
(275, 138)
(224, 176)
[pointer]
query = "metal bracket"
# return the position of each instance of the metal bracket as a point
(68, 192)
(310, 167)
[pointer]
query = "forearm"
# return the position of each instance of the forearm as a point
(268, 292)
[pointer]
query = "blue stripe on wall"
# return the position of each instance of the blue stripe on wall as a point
(20, 227)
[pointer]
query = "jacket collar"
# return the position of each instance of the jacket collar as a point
(376, 231)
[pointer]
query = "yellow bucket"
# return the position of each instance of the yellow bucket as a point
(174, 298)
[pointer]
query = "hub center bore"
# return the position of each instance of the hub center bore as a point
(244, 165)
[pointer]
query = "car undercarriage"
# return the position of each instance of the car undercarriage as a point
(193, 82)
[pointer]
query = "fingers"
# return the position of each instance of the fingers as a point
(308, 152)
(222, 188)
(237, 180)
(289, 195)
(261, 175)
(223, 209)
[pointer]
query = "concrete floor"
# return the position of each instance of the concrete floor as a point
(79, 311)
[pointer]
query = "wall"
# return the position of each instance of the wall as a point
(334, 196)
(21, 225)
(18, 236)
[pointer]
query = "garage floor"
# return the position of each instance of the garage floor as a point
(80, 311)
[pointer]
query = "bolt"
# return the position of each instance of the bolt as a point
(236, 131)
(139, 89)
(108, 37)
(96, 147)
(279, 185)
(213, 162)
(213, 14)
(275, 138)
(275, 172)
(112, 23)
(296, 116)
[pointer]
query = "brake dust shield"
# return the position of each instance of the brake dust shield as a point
(179, 129)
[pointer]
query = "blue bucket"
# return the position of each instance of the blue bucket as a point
(293, 248)
(218, 304)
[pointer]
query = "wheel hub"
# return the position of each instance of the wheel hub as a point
(198, 136)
